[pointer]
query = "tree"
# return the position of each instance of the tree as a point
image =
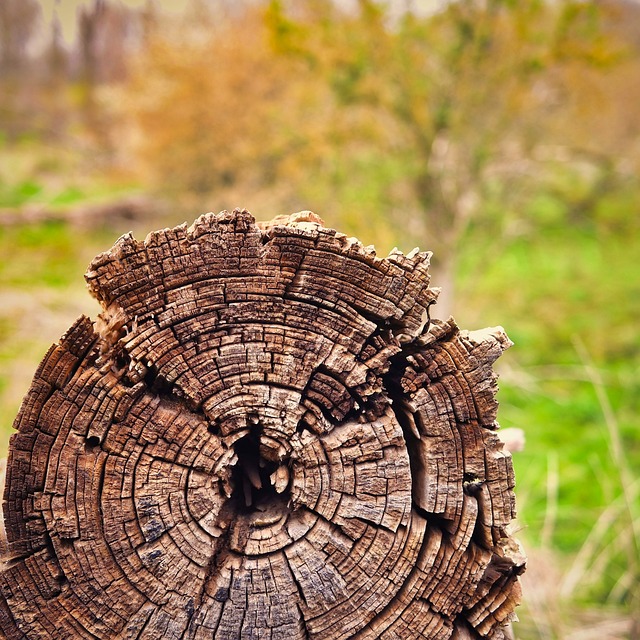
(205, 95)
(104, 31)
(456, 100)
(18, 21)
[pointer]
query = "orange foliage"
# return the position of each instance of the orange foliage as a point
(208, 104)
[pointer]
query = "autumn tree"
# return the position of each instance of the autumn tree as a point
(457, 101)
(205, 96)
(598, 126)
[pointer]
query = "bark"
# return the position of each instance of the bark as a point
(262, 436)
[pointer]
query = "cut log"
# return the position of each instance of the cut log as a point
(262, 436)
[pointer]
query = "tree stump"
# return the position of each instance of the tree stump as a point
(263, 435)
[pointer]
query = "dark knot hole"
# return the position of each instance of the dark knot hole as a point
(252, 475)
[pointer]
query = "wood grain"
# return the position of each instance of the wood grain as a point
(262, 436)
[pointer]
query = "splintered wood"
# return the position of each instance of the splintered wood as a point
(262, 436)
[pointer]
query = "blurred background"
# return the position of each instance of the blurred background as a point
(503, 135)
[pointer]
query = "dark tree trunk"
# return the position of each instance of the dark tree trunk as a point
(262, 436)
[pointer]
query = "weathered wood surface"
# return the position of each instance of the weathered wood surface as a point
(262, 436)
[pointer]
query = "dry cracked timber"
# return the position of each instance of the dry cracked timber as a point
(262, 436)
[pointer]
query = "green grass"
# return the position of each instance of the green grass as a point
(569, 298)
(57, 177)
(39, 255)
(42, 291)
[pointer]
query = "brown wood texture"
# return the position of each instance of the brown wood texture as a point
(263, 436)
